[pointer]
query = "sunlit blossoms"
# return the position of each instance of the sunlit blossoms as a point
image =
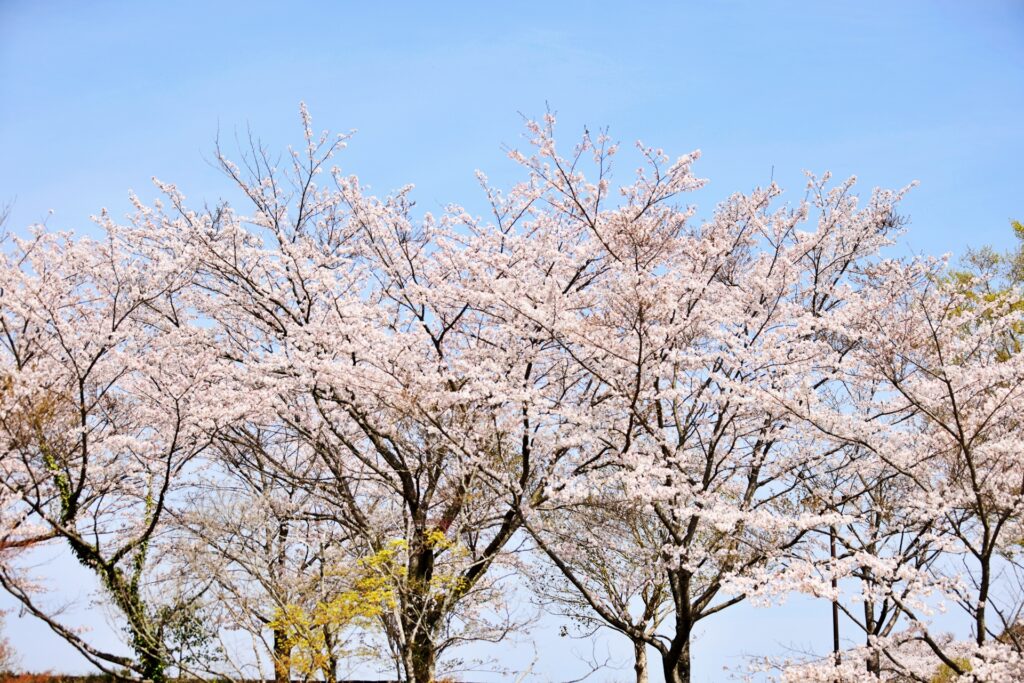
(320, 430)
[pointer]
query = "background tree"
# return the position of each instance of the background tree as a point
(675, 332)
(997, 269)
(258, 538)
(8, 656)
(606, 571)
(945, 425)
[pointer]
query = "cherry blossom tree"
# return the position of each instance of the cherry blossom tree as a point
(950, 367)
(940, 422)
(679, 335)
(348, 321)
(876, 540)
(102, 415)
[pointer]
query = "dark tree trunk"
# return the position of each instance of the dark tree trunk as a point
(282, 657)
(153, 668)
(424, 659)
(835, 600)
(330, 668)
(676, 662)
(980, 627)
(421, 619)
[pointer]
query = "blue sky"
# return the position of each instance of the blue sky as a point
(95, 98)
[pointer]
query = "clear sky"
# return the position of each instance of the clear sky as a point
(97, 97)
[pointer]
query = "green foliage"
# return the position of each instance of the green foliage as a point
(947, 675)
(188, 638)
(1006, 269)
(1016, 258)
(987, 277)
